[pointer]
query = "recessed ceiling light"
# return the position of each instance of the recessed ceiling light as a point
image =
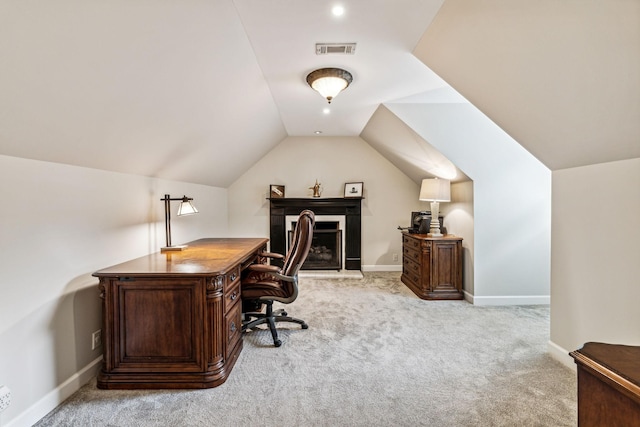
(326, 111)
(318, 132)
(337, 10)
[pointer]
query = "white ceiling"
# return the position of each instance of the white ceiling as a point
(199, 91)
(194, 90)
(283, 35)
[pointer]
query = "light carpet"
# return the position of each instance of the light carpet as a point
(374, 354)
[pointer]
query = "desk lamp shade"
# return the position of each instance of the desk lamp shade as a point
(435, 191)
(185, 208)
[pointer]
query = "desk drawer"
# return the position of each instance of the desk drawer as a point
(231, 294)
(233, 327)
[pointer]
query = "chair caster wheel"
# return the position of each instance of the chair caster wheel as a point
(305, 326)
(277, 343)
(284, 314)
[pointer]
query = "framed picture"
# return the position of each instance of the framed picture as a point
(353, 189)
(276, 191)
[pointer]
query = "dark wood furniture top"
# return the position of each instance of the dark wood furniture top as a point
(204, 256)
(608, 385)
(350, 207)
(174, 319)
(432, 266)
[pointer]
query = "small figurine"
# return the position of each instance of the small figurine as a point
(316, 189)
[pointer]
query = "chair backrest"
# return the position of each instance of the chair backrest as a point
(300, 244)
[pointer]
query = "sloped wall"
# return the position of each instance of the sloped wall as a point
(61, 223)
(511, 200)
(560, 77)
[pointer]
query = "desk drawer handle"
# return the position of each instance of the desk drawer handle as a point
(233, 327)
(233, 296)
(234, 276)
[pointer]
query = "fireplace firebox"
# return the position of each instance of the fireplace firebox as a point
(326, 246)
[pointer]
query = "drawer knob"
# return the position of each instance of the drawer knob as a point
(233, 276)
(234, 295)
(233, 327)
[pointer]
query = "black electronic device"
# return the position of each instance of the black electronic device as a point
(420, 222)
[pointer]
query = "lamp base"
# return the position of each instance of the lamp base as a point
(173, 248)
(434, 231)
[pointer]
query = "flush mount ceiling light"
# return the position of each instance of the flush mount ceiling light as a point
(329, 82)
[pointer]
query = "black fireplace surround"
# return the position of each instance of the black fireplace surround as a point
(279, 208)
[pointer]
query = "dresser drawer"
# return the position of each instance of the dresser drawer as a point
(411, 271)
(410, 253)
(410, 266)
(410, 242)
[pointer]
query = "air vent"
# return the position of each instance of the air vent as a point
(335, 48)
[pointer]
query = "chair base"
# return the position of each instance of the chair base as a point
(270, 317)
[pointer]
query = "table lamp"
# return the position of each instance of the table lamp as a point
(435, 190)
(185, 208)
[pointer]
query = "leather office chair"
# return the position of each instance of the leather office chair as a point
(265, 283)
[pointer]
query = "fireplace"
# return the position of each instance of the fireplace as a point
(347, 210)
(326, 251)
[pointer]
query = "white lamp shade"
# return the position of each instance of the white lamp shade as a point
(186, 208)
(435, 190)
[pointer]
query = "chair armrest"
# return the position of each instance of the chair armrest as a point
(264, 268)
(272, 255)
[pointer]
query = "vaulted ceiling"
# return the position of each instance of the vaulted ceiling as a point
(198, 91)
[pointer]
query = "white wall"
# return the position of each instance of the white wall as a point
(61, 223)
(458, 220)
(297, 162)
(512, 200)
(596, 256)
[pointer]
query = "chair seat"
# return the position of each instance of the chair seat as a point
(263, 290)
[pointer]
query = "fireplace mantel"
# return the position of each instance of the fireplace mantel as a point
(349, 207)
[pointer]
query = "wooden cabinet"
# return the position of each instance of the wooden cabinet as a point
(174, 319)
(608, 385)
(432, 266)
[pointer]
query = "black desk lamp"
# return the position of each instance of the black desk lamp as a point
(185, 208)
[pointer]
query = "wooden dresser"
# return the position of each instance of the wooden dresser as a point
(432, 266)
(608, 385)
(173, 319)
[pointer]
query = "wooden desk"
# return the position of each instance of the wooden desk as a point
(173, 320)
(608, 385)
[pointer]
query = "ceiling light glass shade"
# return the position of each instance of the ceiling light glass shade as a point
(435, 190)
(329, 82)
(186, 207)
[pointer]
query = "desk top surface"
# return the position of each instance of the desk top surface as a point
(201, 257)
(624, 360)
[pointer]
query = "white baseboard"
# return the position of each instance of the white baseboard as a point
(56, 396)
(381, 268)
(561, 355)
(510, 300)
(467, 296)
